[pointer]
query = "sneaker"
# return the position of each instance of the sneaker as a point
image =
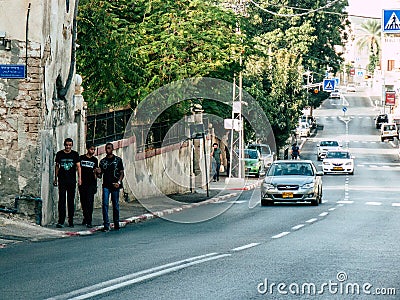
(59, 225)
(105, 229)
(116, 228)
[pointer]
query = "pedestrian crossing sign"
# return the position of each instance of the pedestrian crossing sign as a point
(391, 21)
(329, 85)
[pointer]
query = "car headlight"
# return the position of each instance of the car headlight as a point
(308, 185)
(326, 163)
(349, 163)
(269, 186)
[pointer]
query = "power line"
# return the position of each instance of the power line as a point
(295, 15)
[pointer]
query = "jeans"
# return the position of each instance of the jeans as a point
(215, 170)
(115, 203)
(66, 193)
(86, 195)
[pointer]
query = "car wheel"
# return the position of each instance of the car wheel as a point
(315, 202)
(382, 139)
(352, 173)
(318, 158)
(258, 174)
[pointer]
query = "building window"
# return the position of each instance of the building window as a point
(390, 65)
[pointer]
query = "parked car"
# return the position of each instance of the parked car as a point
(310, 120)
(380, 119)
(253, 162)
(303, 130)
(389, 131)
(335, 94)
(324, 146)
(338, 161)
(350, 88)
(266, 153)
(293, 181)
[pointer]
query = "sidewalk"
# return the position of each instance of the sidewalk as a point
(17, 228)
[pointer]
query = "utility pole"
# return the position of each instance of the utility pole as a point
(237, 140)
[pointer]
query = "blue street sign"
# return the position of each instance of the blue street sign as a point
(344, 108)
(337, 81)
(391, 21)
(329, 85)
(12, 71)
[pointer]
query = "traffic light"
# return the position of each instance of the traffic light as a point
(367, 76)
(316, 91)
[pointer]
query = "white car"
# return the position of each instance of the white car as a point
(338, 161)
(303, 130)
(389, 131)
(351, 88)
(335, 94)
(325, 146)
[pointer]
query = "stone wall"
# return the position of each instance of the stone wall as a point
(38, 112)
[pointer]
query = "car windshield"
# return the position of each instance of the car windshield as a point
(299, 169)
(252, 154)
(329, 144)
(263, 149)
(340, 154)
(390, 127)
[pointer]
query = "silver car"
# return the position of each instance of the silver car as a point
(292, 181)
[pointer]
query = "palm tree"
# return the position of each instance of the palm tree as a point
(371, 39)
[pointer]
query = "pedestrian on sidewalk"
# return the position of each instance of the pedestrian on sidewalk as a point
(216, 156)
(88, 188)
(112, 171)
(66, 166)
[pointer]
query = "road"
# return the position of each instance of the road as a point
(346, 248)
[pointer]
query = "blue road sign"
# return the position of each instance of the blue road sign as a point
(391, 21)
(344, 108)
(337, 81)
(12, 71)
(329, 85)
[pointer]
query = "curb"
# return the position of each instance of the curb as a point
(248, 187)
(157, 214)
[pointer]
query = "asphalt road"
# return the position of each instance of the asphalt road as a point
(346, 248)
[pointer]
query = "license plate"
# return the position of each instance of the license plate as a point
(287, 195)
(337, 169)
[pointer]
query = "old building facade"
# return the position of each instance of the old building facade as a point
(39, 109)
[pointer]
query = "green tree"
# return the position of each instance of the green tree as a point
(131, 48)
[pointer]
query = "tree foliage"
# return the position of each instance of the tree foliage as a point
(129, 48)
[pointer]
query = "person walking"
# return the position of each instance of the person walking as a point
(66, 166)
(112, 171)
(89, 165)
(216, 161)
(295, 151)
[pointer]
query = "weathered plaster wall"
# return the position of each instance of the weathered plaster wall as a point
(35, 117)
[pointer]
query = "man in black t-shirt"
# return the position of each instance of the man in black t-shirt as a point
(112, 170)
(88, 188)
(67, 164)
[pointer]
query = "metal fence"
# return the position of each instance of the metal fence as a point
(111, 126)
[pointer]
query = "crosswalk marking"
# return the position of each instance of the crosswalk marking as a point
(396, 204)
(373, 203)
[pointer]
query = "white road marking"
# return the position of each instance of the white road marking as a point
(373, 203)
(312, 220)
(395, 204)
(297, 227)
(345, 202)
(110, 285)
(245, 247)
(280, 235)
(237, 202)
(323, 214)
(332, 208)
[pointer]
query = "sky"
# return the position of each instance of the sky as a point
(371, 8)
